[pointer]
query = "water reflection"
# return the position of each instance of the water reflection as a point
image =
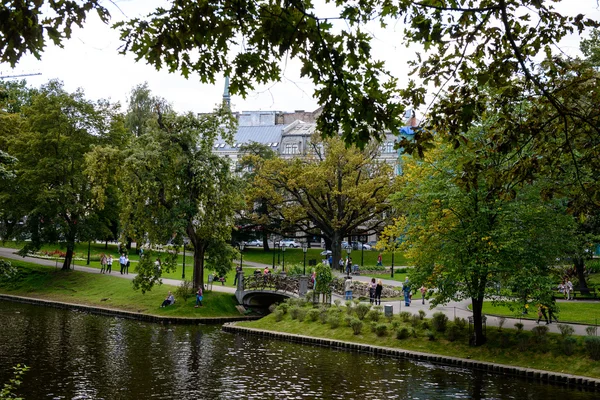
(74, 355)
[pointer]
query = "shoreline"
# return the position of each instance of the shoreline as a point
(542, 376)
(111, 312)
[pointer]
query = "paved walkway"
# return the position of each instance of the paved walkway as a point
(452, 309)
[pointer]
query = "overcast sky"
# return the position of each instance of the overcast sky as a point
(90, 60)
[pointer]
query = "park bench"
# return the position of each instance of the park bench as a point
(577, 291)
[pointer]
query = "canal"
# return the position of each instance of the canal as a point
(75, 355)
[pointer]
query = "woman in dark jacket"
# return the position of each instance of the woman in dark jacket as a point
(378, 290)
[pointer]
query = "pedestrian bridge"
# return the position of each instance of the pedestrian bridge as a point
(262, 290)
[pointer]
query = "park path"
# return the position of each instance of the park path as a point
(452, 309)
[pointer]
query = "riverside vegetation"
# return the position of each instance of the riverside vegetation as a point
(362, 323)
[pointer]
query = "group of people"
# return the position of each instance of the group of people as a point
(566, 288)
(375, 290)
(106, 263)
(170, 299)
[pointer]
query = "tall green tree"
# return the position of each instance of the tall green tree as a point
(337, 190)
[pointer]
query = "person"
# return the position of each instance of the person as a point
(349, 266)
(378, 290)
(552, 309)
(348, 288)
(406, 291)
(102, 263)
(372, 288)
(379, 261)
(127, 264)
(313, 279)
(122, 262)
(169, 300)
(238, 269)
(568, 289)
(561, 287)
(266, 271)
(198, 298)
(341, 264)
(109, 263)
(423, 290)
(542, 313)
(330, 261)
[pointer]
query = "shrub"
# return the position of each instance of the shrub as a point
(519, 327)
(349, 307)
(422, 314)
(395, 324)
(461, 323)
(405, 316)
(501, 321)
(323, 315)
(372, 325)
(361, 310)
(381, 329)
(313, 314)
(294, 310)
(378, 307)
(566, 330)
(356, 326)
(539, 333)
(284, 307)
(415, 320)
(373, 315)
(272, 308)
(337, 302)
(402, 333)
(439, 322)
(301, 313)
(592, 346)
(348, 320)
(278, 315)
(453, 332)
(568, 345)
(334, 320)
(505, 341)
(425, 325)
(430, 335)
(591, 330)
(185, 290)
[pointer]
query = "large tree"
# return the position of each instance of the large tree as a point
(334, 189)
(50, 199)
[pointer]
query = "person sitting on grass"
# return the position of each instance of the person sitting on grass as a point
(169, 300)
(198, 298)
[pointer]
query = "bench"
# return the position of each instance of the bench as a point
(591, 291)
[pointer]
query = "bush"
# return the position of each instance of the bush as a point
(405, 316)
(540, 332)
(301, 313)
(461, 323)
(323, 314)
(372, 326)
(453, 332)
(349, 307)
(439, 322)
(501, 321)
(278, 315)
(395, 324)
(348, 320)
(284, 307)
(373, 315)
(381, 329)
(185, 290)
(337, 302)
(356, 326)
(519, 327)
(415, 320)
(425, 325)
(294, 311)
(430, 335)
(361, 310)
(334, 320)
(313, 314)
(402, 333)
(591, 330)
(592, 346)
(566, 330)
(422, 314)
(568, 345)
(272, 308)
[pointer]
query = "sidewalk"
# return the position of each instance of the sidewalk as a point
(452, 309)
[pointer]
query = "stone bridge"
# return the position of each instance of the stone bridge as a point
(263, 290)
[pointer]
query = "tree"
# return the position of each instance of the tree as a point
(50, 197)
(174, 186)
(24, 25)
(468, 224)
(337, 190)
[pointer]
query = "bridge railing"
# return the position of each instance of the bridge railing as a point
(272, 282)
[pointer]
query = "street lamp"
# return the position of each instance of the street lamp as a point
(304, 249)
(362, 254)
(283, 249)
(348, 250)
(241, 254)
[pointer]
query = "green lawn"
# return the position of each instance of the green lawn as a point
(569, 311)
(111, 292)
(505, 347)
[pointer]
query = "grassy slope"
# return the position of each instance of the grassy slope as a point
(571, 311)
(90, 289)
(548, 357)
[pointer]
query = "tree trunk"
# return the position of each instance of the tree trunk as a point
(579, 263)
(265, 238)
(336, 250)
(198, 275)
(106, 245)
(68, 257)
(478, 336)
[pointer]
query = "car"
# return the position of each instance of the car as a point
(365, 246)
(345, 245)
(290, 243)
(256, 243)
(372, 243)
(326, 253)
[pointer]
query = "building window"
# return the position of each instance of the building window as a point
(291, 148)
(388, 147)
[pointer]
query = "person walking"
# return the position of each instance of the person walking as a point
(348, 266)
(127, 265)
(372, 288)
(542, 313)
(122, 262)
(102, 263)
(109, 263)
(238, 269)
(379, 261)
(423, 291)
(568, 289)
(199, 298)
(348, 288)
(378, 290)
(406, 291)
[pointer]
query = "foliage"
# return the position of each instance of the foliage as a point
(278, 315)
(439, 321)
(519, 326)
(356, 326)
(301, 313)
(540, 331)
(381, 329)
(185, 290)
(430, 335)
(284, 307)
(422, 314)
(294, 312)
(402, 333)
(361, 310)
(415, 320)
(405, 316)
(569, 344)
(591, 330)
(8, 391)
(373, 315)
(566, 330)
(324, 278)
(313, 314)
(592, 346)
(501, 321)
(453, 332)
(334, 320)
(7, 270)
(461, 323)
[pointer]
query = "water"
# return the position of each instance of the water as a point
(74, 355)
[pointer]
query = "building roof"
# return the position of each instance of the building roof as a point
(269, 135)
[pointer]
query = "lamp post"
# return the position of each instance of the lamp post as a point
(241, 254)
(304, 249)
(283, 250)
(362, 254)
(348, 250)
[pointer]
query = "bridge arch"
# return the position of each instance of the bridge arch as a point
(263, 290)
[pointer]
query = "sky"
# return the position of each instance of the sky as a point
(90, 60)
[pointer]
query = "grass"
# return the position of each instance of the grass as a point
(110, 292)
(505, 347)
(571, 311)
